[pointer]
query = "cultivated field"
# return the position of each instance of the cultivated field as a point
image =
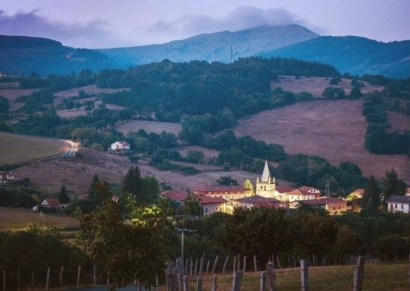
(334, 130)
(90, 90)
(14, 219)
(149, 126)
(12, 94)
(19, 148)
(316, 85)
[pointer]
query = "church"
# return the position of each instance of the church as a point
(266, 185)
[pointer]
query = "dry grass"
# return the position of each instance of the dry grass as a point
(15, 219)
(19, 148)
(149, 126)
(316, 85)
(12, 94)
(338, 278)
(334, 130)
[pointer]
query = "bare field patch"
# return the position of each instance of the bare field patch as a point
(316, 85)
(149, 126)
(90, 89)
(399, 122)
(13, 94)
(12, 219)
(19, 148)
(334, 130)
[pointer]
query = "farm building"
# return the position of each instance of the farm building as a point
(332, 205)
(178, 196)
(398, 204)
(120, 147)
(8, 177)
(51, 203)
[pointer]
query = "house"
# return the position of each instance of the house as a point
(303, 193)
(282, 192)
(407, 192)
(257, 201)
(51, 203)
(8, 177)
(356, 194)
(398, 204)
(332, 205)
(228, 192)
(210, 204)
(120, 147)
(178, 196)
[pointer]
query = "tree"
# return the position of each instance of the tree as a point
(248, 185)
(126, 250)
(195, 156)
(132, 184)
(192, 206)
(371, 194)
(62, 196)
(392, 185)
(94, 194)
(4, 104)
(226, 180)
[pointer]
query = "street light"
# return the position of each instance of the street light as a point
(42, 214)
(182, 230)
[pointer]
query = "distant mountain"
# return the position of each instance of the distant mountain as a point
(356, 55)
(214, 46)
(21, 55)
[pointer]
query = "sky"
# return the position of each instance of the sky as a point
(123, 23)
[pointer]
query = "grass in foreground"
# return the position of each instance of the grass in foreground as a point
(335, 278)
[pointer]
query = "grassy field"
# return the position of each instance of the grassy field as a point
(149, 126)
(338, 278)
(15, 219)
(18, 148)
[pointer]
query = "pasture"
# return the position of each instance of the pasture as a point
(20, 148)
(149, 126)
(15, 219)
(316, 85)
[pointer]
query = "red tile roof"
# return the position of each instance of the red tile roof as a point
(51, 202)
(178, 195)
(211, 200)
(221, 188)
(284, 189)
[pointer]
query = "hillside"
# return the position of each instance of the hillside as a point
(214, 46)
(20, 55)
(334, 130)
(356, 55)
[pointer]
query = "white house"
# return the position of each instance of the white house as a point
(8, 177)
(398, 204)
(303, 193)
(120, 147)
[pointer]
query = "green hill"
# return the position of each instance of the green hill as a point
(356, 55)
(21, 55)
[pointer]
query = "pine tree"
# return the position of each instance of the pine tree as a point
(132, 184)
(371, 194)
(392, 185)
(94, 194)
(63, 195)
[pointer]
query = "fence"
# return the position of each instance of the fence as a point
(181, 277)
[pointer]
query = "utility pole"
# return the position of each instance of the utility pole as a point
(183, 230)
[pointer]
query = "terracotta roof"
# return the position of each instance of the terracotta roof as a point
(51, 202)
(399, 199)
(221, 188)
(284, 189)
(303, 191)
(256, 199)
(211, 200)
(179, 195)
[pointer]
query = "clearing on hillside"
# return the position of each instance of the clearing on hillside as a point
(149, 126)
(19, 148)
(316, 85)
(334, 130)
(13, 94)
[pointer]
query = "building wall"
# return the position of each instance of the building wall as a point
(208, 209)
(398, 207)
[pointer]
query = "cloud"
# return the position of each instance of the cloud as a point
(91, 34)
(243, 17)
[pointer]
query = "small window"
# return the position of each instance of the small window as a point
(395, 206)
(402, 206)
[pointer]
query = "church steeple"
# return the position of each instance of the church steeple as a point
(265, 174)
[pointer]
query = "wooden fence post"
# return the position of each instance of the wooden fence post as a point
(191, 267)
(78, 275)
(279, 265)
(199, 284)
(236, 281)
(108, 278)
(4, 280)
(255, 263)
(270, 270)
(60, 276)
(48, 278)
(225, 264)
(215, 264)
(239, 263)
(234, 265)
(262, 281)
(186, 283)
(180, 281)
(304, 274)
(358, 273)
(195, 269)
(214, 282)
(207, 267)
(244, 264)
